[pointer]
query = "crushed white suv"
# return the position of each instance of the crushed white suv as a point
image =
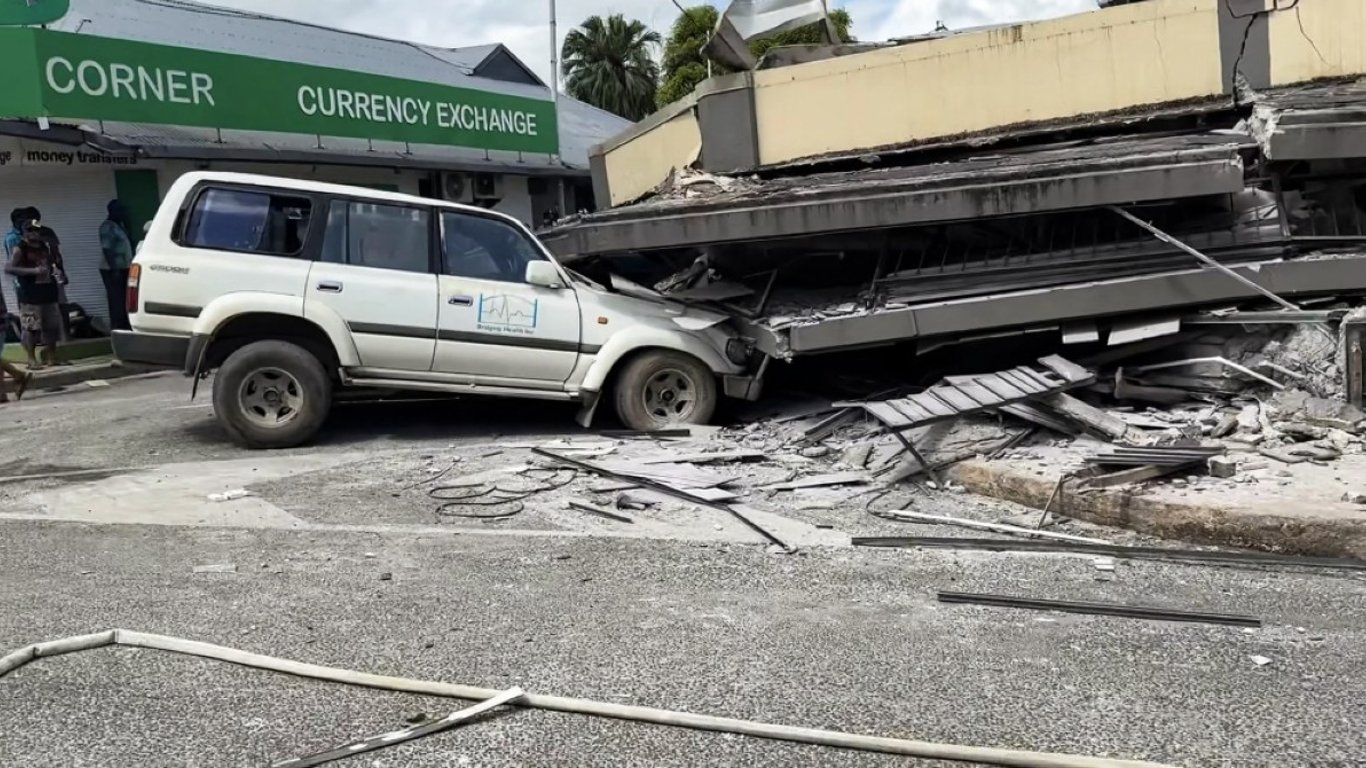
(291, 289)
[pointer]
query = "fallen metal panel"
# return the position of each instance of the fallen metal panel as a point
(1089, 300)
(967, 395)
(1100, 609)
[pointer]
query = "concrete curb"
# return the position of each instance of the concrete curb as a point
(65, 376)
(1249, 528)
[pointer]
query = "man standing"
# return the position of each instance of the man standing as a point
(33, 264)
(117, 243)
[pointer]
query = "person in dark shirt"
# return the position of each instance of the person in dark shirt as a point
(35, 267)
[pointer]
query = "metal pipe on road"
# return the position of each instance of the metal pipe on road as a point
(1008, 758)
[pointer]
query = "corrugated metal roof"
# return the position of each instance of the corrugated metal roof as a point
(187, 143)
(195, 25)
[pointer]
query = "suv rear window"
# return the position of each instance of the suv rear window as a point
(249, 222)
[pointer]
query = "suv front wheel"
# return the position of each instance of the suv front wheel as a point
(663, 389)
(272, 394)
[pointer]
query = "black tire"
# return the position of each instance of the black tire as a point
(635, 407)
(296, 376)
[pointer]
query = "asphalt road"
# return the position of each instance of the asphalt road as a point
(833, 637)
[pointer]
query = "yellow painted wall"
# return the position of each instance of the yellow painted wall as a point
(1144, 53)
(1329, 45)
(639, 164)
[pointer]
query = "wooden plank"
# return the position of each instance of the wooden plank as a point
(1042, 418)
(936, 407)
(959, 400)
(978, 392)
(1073, 373)
(1005, 388)
(914, 414)
(1017, 378)
(1088, 416)
(886, 414)
(1135, 475)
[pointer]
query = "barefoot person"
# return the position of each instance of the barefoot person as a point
(33, 264)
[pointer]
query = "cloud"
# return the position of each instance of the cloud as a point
(524, 25)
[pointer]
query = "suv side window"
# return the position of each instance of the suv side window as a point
(485, 249)
(378, 236)
(248, 222)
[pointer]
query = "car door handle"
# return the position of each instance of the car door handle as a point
(330, 287)
(461, 301)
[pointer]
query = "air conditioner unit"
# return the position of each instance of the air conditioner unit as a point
(456, 188)
(488, 187)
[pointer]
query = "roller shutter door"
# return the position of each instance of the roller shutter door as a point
(73, 203)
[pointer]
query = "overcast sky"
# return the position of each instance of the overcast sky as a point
(523, 26)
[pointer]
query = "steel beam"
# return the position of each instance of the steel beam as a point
(1099, 299)
(1100, 609)
(1210, 557)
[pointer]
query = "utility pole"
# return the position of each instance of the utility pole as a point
(555, 98)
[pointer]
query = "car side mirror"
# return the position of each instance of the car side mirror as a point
(543, 274)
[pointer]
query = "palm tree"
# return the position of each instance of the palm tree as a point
(610, 64)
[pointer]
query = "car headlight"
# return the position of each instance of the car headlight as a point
(739, 351)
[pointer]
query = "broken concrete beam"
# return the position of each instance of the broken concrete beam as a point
(1301, 431)
(1227, 423)
(1090, 417)
(1283, 456)
(1249, 420)
(856, 456)
(1222, 466)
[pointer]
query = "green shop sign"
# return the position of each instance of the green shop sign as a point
(61, 75)
(32, 11)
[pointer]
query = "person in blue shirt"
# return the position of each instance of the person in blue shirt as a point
(116, 241)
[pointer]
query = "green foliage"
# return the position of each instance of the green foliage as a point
(685, 65)
(610, 64)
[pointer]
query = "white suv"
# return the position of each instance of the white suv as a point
(291, 289)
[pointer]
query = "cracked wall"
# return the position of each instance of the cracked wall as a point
(1315, 39)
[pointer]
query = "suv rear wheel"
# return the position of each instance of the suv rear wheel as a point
(664, 389)
(272, 394)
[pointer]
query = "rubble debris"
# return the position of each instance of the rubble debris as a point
(815, 452)
(1093, 419)
(1127, 390)
(916, 517)
(1301, 431)
(1041, 417)
(417, 731)
(718, 457)
(240, 493)
(1099, 609)
(1167, 456)
(1218, 557)
(856, 456)
(1283, 455)
(593, 509)
(1260, 661)
(1251, 374)
(658, 434)
(820, 481)
(1354, 498)
(686, 494)
(1104, 564)
(1222, 466)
